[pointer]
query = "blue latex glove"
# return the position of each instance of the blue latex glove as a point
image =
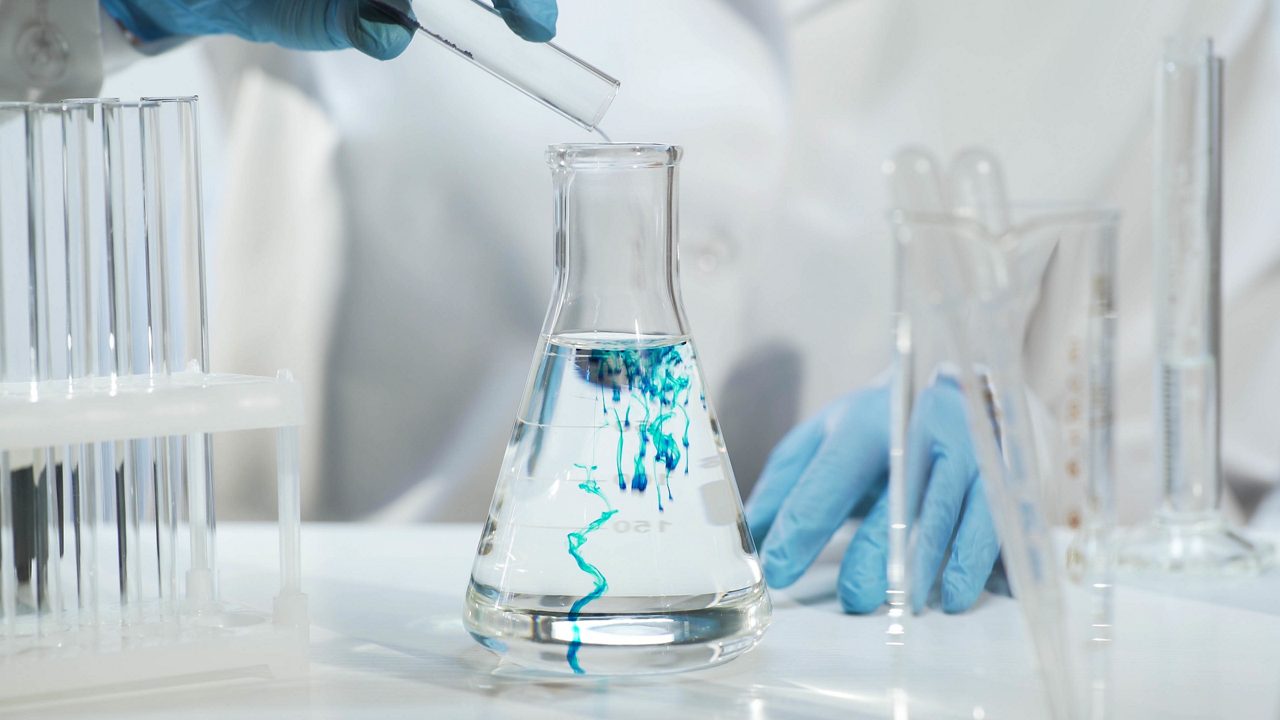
(304, 24)
(838, 461)
(533, 20)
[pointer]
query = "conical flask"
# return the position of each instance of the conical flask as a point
(615, 542)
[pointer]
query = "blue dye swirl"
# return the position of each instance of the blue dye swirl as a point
(576, 541)
(654, 378)
(649, 380)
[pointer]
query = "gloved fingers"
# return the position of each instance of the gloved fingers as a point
(863, 572)
(299, 24)
(851, 460)
(132, 19)
(938, 419)
(921, 455)
(375, 34)
(533, 20)
(788, 459)
(973, 556)
(940, 468)
(949, 482)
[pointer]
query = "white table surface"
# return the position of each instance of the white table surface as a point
(388, 642)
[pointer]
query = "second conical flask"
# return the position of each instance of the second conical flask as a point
(615, 542)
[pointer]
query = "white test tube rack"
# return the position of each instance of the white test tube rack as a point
(108, 551)
(69, 644)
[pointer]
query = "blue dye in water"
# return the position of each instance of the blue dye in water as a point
(654, 377)
(576, 541)
(649, 379)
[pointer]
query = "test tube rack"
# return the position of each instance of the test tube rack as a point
(108, 566)
(80, 619)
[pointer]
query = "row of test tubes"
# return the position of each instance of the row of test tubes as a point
(102, 291)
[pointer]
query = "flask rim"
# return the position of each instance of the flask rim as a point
(601, 156)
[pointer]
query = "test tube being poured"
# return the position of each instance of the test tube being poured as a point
(1189, 534)
(474, 31)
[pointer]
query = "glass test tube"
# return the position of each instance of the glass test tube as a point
(83, 205)
(127, 321)
(13, 233)
(178, 262)
(44, 148)
(158, 330)
(914, 179)
(543, 71)
(166, 452)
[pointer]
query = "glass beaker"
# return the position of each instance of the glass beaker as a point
(615, 543)
(1013, 331)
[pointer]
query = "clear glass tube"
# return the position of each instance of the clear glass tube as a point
(475, 32)
(1189, 533)
(173, 151)
(47, 314)
(1187, 255)
(914, 178)
(615, 542)
(84, 200)
(177, 258)
(157, 326)
(128, 320)
(14, 226)
(136, 327)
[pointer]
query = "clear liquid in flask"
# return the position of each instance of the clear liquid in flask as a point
(615, 543)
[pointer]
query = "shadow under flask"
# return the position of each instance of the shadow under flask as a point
(615, 543)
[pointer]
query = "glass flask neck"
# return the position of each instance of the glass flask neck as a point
(616, 258)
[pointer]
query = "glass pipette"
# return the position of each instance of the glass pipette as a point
(474, 31)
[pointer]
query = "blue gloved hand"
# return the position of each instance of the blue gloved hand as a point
(838, 461)
(533, 20)
(304, 24)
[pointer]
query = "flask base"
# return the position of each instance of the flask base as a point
(691, 633)
(1202, 545)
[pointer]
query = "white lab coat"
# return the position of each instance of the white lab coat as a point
(384, 230)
